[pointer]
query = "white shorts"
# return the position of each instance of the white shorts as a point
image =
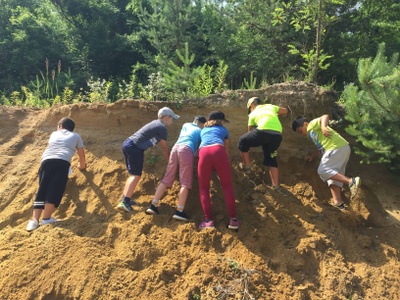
(332, 163)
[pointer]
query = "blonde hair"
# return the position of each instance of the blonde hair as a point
(210, 123)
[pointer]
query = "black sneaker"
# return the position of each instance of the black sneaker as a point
(180, 215)
(152, 210)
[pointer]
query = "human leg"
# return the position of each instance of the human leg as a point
(336, 194)
(274, 175)
(182, 197)
(270, 151)
(224, 172)
(246, 141)
(333, 166)
(53, 177)
(134, 158)
(130, 185)
(205, 168)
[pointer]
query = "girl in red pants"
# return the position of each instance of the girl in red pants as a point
(213, 154)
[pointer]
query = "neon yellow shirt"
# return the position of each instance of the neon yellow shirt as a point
(265, 117)
(323, 143)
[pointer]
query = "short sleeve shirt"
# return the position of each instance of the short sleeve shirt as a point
(323, 143)
(216, 134)
(62, 145)
(149, 135)
(265, 117)
(190, 136)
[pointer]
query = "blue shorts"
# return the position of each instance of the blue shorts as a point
(134, 157)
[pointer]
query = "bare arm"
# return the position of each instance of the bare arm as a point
(250, 128)
(324, 122)
(282, 111)
(82, 159)
(165, 148)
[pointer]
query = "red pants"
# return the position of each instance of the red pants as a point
(215, 157)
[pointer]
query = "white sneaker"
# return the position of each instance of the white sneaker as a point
(49, 221)
(355, 186)
(32, 225)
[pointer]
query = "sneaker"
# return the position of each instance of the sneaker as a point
(340, 206)
(32, 225)
(180, 215)
(206, 224)
(245, 169)
(354, 186)
(233, 224)
(124, 206)
(152, 210)
(279, 190)
(49, 221)
(132, 203)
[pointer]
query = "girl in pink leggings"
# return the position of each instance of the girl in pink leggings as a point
(213, 154)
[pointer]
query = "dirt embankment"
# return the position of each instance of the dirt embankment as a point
(288, 247)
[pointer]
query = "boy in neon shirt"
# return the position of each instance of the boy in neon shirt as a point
(335, 151)
(264, 129)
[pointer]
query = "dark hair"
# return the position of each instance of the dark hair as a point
(217, 115)
(67, 123)
(200, 119)
(298, 123)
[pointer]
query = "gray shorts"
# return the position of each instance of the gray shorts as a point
(332, 163)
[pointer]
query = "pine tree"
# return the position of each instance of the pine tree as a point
(373, 109)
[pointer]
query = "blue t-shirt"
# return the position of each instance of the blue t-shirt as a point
(213, 135)
(190, 136)
(149, 135)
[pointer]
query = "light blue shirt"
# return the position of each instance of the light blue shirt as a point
(190, 136)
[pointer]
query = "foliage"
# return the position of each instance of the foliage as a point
(220, 77)
(310, 18)
(251, 84)
(274, 40)
(180, 81)
(373, 108)
(99, 90)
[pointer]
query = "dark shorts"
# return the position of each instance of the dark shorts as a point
(134, 157)
(269, 140)
(53, 178)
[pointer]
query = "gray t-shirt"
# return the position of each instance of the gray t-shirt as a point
(149, 135)
(62, 145)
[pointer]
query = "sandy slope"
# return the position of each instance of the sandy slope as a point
(288, 247)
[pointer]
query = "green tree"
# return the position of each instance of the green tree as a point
(362, 26)
(373, 108)
(311, 20)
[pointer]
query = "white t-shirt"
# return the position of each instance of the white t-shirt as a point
(62, 145)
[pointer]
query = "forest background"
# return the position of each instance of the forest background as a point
(59, 51)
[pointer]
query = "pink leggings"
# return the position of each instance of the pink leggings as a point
(215, 157)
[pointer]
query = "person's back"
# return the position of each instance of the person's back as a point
(265, 117)
(62, 145)
(190, 136)
(323, 143)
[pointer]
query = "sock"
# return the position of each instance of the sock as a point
(155, 202)
(180, 208)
